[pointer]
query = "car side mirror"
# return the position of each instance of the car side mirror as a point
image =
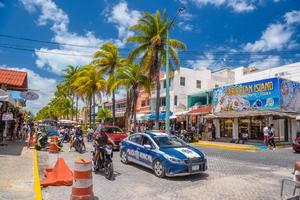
(147, 146)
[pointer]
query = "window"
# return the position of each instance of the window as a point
(136, 139)
(216, 85)
(163, 101)
(175, 100)
(147, 141)
(165, 83)
(143, 103)
(182, 81)
(198, 84)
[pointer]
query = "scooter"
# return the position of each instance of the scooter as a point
(78, 144)
(42, 141)
(104, 162)
(90, 137)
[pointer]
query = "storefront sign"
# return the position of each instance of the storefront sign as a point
(257, 95)
(289, 95)
(7, 116)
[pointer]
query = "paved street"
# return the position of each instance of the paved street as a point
(16, 172)
(231, 175)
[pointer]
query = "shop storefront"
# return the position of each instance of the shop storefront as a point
(248, 107)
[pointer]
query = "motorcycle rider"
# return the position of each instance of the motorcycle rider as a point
(77, 132)
(90, 132)
(101, 139)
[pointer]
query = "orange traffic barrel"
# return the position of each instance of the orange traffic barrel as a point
(82, 188)
(53, 145)
(297, 171)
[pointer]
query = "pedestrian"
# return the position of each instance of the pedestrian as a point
(266, 135)
(271, 136)
(213, 131)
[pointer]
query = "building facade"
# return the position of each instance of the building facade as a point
(249, 106)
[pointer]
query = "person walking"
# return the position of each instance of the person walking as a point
(266, 135)
(271, 137)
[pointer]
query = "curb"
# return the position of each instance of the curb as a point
(37, 184)
(227, 147)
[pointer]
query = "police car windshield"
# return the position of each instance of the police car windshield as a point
(169, 142)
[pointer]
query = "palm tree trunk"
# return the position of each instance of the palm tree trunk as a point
(72, 106)
(157, 67)
(77, 108)
(94, 111)
(114, 107)
(134, 107)
(90, 112)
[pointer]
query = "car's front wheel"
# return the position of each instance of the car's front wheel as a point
(158, 169)
(124, 157)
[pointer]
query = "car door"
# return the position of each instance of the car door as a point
(146, 154)
(133, 147)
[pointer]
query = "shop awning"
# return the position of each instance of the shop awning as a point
(162, 116)
(5, 97)
(141, 116)
(201, 111)
(252, 113)
(14, 80)
(181, 113)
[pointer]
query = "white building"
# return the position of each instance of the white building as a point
(187, 82)
(290, 71)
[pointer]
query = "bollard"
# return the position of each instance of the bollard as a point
(82, 188)
(53, 145)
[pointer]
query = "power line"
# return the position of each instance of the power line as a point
(180, 51)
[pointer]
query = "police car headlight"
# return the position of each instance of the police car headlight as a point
(174, 160)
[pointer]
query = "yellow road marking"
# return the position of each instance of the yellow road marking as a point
(228, 147)
(37, 184)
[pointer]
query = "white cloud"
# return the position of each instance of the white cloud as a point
(185, 26)
(237, 5)
(123, 18)
(45, 88)
(277, 35)
(2, 5)
(58, 21)
(267, 62)
(292, 17)
(203, 62)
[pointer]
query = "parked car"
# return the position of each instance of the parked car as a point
(296, 143)
(114, 133)
(165, 154)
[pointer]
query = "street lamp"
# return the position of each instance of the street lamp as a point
(179, 11)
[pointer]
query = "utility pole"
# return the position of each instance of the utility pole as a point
(179, 11)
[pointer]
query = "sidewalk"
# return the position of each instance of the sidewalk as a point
(16, 172)
(228, 146)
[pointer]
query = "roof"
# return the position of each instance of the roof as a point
(14, 80)
(202, 110)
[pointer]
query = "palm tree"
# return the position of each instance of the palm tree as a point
(89, 83)
(133, 78)
(103, 115)
(150, 36)
(69, 76)
(108, 59)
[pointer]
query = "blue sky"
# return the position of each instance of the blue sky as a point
(218, 33)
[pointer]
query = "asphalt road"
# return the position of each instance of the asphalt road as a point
(230, 175)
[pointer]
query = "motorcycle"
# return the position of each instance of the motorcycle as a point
(90, 136)
(78, 144)
(60, 140)
(41, 141)
(104, 162)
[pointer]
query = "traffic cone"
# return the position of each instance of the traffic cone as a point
(53, 145)
(59, 175)
(82, 188)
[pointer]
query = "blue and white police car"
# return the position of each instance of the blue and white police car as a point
(166, 154)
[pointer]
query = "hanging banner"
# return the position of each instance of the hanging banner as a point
(29, 95)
